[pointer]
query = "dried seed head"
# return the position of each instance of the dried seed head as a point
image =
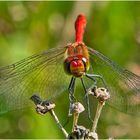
(77, 107)
(102, 94)
(42, 107)
(92, 136)
(79, 132)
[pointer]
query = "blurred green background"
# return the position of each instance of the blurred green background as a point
(27, 28)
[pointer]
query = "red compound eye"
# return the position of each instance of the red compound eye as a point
(76, 63)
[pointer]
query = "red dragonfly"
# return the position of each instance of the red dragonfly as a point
(54, 71)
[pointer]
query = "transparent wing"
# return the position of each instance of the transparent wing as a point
(124, 85)
(41, 74)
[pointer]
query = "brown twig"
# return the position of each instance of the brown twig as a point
(102, 94)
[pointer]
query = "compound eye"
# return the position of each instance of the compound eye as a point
(76, 63)
(67, 66)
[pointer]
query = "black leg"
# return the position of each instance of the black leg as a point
(94, 81)
(92, 76)
(71, 93)
(71, 89)
(87, 99)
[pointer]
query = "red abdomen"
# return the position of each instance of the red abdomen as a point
(76, 61)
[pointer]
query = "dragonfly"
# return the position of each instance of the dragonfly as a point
(54, 71)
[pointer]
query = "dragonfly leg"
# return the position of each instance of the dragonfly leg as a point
(87, 99)
(94, 82)
(92, 76)
(71, 93)
(71, 89)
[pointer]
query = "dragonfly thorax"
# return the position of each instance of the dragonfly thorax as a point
(76, 59)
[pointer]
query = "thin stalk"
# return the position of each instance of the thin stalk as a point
(58, 123)
(97, 115)
(75, 120)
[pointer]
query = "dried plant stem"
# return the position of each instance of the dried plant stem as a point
(58, 123)
(97, 115)
(75, 120)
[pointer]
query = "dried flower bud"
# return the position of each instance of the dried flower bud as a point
(77, 107)
(102, 94)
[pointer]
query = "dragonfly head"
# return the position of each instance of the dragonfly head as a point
(76, 59)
